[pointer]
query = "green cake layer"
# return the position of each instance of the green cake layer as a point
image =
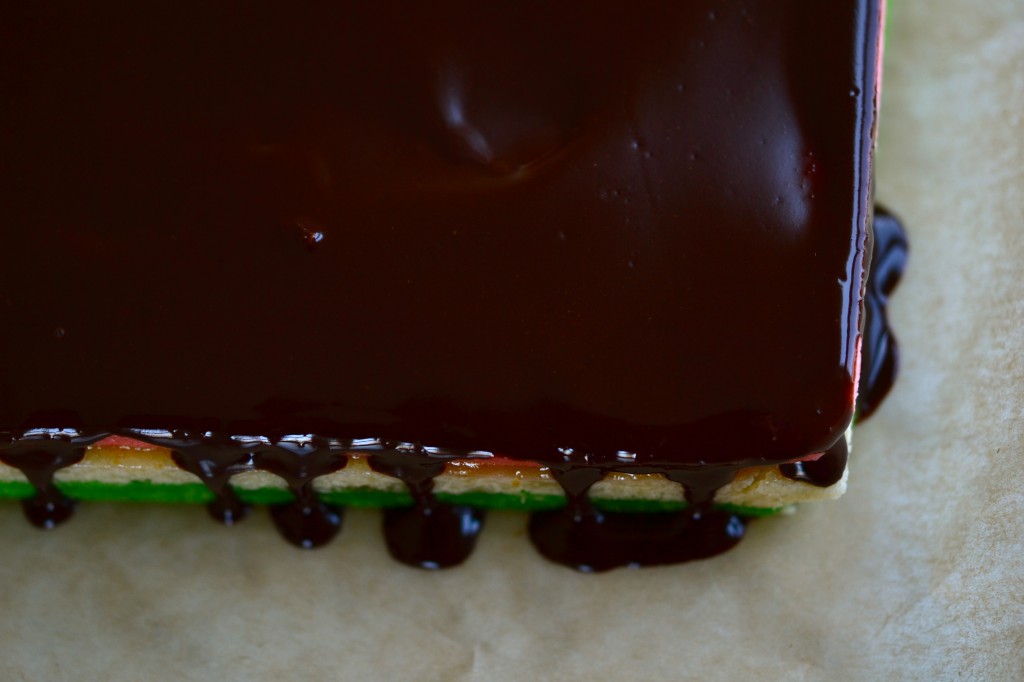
(196, 493)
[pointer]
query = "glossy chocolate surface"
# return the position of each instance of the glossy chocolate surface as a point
(583, 235)
(491, 226)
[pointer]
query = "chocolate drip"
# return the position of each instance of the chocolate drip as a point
(430, 534)
(823, 472)
(879, 350)
(306, 521)
(214, 459)
(39, 457)
(298, 460)
(587, 539)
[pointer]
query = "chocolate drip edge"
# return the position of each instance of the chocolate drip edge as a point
(432, 534)
(879, 348)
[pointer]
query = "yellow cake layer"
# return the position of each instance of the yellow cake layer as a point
(755, 487)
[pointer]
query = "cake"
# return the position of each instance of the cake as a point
(440, 259)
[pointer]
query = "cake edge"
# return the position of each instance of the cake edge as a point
(126, 474)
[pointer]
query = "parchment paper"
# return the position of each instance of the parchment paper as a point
(918, 573)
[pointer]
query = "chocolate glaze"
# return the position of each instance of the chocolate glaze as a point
(340, 223)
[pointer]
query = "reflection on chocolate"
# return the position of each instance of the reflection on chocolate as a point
(634, 236)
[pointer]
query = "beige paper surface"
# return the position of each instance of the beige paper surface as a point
(918, 573)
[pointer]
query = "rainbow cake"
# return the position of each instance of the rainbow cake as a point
(602, 262)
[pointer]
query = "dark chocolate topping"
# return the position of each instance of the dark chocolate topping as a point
(562, 235)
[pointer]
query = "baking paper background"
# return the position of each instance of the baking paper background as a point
(918, 573)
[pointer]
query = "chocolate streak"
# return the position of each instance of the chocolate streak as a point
(626, 248)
